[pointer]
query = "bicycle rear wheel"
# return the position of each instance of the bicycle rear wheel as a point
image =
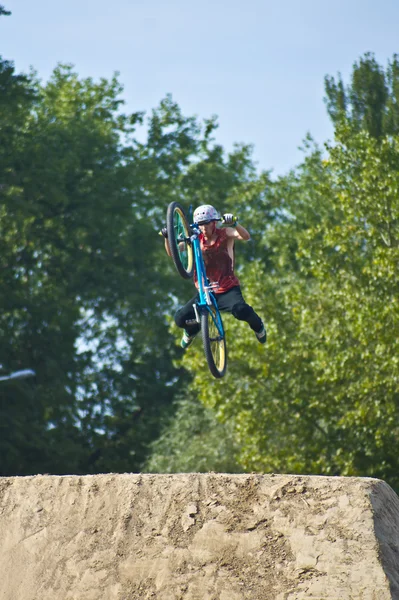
(214, 341)
(178, 236)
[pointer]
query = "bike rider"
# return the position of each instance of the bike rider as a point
(217, 246)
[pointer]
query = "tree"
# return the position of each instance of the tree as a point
(21, 420)
(323, 397)
(3, 11)
(76, 299)
(193, 440)
(87, 287)
(370, 102)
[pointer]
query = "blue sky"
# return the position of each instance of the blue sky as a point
(258, 65)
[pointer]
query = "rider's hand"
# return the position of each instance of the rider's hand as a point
(229, 219)
(164, 232)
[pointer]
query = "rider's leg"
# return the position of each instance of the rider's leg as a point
(185, 318)
(233, 302)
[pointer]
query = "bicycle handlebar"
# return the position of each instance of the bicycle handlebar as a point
(220, 219)
(198, 224)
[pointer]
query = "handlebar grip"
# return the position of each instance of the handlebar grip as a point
(235, 220)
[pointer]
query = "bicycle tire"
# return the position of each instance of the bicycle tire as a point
(178, 233)
(214, 345)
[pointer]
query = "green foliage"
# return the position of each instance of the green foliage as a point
(87, 291)
(3, 11)
(370, 102)
(75, 293)
(86, 287)
(322, 396)
(194, 441)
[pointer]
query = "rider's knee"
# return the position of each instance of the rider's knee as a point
(242, 311)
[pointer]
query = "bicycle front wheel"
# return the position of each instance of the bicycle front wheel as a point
(179, 242)
(214, 341)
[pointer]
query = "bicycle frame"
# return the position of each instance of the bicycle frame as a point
(207, 298)
(185, 250)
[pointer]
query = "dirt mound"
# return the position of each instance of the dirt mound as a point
(198, 537)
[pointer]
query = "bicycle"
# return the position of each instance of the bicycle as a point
(186, 254)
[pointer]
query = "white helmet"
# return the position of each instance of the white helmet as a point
(205, 213)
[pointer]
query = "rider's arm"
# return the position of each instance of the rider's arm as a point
(167, 247)
(238, 232)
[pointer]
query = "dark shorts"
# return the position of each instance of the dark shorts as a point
(231, 301)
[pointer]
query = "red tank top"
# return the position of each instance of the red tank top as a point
(218, 264)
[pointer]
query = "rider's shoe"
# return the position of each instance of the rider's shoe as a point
(261, 335)
(187, 340)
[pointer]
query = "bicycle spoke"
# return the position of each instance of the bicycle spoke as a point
(179, 240)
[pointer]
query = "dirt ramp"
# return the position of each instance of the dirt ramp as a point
(198, 537)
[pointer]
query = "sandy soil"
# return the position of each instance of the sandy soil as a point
(198, 537)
